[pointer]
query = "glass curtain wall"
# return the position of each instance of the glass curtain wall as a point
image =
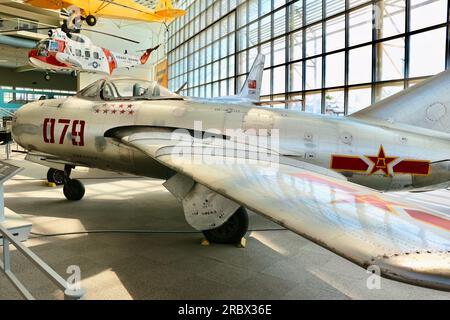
(324, 56)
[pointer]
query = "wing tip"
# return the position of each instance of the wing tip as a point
(424, 268)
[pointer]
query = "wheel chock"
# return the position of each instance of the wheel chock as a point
(242, 243)
(50, 184)
(204, 242)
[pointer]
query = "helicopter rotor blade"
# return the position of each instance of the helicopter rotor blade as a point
(112, 35)
(30, 29)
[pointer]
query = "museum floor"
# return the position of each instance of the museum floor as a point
(274, 265)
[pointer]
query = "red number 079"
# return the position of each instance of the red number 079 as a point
(77, 130)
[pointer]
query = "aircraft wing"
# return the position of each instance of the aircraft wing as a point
(403, 241)
(116, 9)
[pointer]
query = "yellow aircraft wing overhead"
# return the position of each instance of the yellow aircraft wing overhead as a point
(116, 9)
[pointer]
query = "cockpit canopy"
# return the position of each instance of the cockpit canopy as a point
(44, 46)
(127, 89)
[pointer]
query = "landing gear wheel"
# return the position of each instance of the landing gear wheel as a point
(91, 20)
(55, 176)
(73, 189)
(47, 77)
(232, 231)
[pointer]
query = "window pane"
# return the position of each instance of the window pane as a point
(427, 55)
(296, 103)
(279, 77)
(279, 22)
(314, 40)
(382, 91)
(313, 102)
(360, 68)
(265, 86)
(390, 17)
(335, 37)
(313, 73)
(295, 45)
(279, 51)
(335, 70)
(334, 6)
(425, 13)
(334, 102)
(361, 25)
(295, 77)
(391, 59)
(359, 98)
(295, 15)
(313, 10)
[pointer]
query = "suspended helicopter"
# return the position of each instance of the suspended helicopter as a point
(75, 52)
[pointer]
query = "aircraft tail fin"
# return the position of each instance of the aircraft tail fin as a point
(425, 105)
(147, 53)
(252, 86)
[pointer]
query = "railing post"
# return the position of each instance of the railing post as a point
(6, 255)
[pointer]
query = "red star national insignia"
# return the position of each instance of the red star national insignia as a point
(381, 162)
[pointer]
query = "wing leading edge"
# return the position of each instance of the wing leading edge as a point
(406, 242)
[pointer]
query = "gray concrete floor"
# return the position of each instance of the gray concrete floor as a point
(274, 265)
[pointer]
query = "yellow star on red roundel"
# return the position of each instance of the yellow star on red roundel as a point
(381, 162)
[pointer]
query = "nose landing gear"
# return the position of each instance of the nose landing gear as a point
(73, 189)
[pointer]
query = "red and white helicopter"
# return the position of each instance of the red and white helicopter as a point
(77, 53)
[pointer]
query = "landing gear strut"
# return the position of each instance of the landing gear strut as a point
(47, 77)
(232, 231)
(73, 189)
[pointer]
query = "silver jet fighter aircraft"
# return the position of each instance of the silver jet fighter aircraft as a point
(318, 176)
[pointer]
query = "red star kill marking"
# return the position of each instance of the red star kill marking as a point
(381, 162)
(97, 111)
(113, 111)
(131, 112)
(105, 111)
(122, 111)
(130, 106)
(121, 106)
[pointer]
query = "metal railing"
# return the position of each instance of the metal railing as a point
(5, 266)
(18, 24)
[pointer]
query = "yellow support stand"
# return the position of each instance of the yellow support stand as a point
(50, 184)
(205, 242)
(243, 243)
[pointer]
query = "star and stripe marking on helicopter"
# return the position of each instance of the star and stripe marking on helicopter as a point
(387, 165)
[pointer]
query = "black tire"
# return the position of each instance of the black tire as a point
(55, 176)
(91, 20)
(232, 231)
(73, 190)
